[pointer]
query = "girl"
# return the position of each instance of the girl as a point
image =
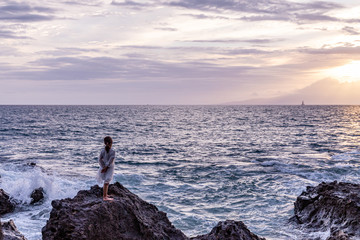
(106, 170)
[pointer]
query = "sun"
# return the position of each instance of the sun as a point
(347, 73)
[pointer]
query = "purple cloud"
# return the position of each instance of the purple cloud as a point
(10, 34)
(22, 12)
(266, 9)
(69, 68)
(350, 30)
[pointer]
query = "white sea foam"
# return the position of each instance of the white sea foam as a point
(20, 181)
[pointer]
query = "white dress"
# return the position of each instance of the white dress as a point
(106, 159)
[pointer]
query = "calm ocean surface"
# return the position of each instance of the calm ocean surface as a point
(200, 164)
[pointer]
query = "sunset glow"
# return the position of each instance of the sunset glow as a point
(176, 51)
(347, 73)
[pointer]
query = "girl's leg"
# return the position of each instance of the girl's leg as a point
(105, 192)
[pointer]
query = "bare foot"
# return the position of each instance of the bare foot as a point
(107, 198)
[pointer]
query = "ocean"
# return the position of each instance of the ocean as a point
(199, 164)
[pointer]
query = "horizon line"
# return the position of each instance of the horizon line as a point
(213, 104)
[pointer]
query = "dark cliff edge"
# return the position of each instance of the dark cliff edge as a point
(87, 216)
(333, 207)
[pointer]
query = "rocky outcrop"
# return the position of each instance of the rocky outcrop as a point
(37, 195)
(87, 216)
(229, 230)
(6, 206)
(127, 217)
(330, 206)
(11, 232)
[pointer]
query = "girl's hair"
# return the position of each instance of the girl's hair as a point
(108, 142)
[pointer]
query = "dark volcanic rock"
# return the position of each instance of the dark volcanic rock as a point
(6, 206)
(334, 206)
(229, 230)
(37, 195)
(11, 232)
(87, 216)
(127, 217)
(1, 233)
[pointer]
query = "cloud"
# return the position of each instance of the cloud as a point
(23, 12)
(67, 51)
(85, 2)
(350, 30)
(132, 4)
(259, 10)
(256, 41)
(314, 17)
(350, 51)
(266, 18)
(10, 35)
(140, 80)
(243, 51)
(266, 10)
(256, 6)
(86, 68)
(166, 29)
(205, 16)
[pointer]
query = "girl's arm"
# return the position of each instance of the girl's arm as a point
(112, 159)
(101, 160)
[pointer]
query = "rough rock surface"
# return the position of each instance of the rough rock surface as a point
(334, 206)
(11, 232)
(87, 216)
(37, 195)
(6, 206)
(229, 230)
(1, 233)
(127, 217)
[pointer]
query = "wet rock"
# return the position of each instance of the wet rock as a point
(37, 195)
(229, 230)
(10, 231)
(87, 216)
(334, 206)
(32, 164)
(6, 206)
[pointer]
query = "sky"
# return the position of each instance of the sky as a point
(179, 52)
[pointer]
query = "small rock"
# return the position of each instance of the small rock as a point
(37, 195)
(229, 230)
(10, 231)
(6, 206)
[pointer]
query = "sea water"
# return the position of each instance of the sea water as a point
(199, 164)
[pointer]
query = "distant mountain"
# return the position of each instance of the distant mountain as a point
(323, 92)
